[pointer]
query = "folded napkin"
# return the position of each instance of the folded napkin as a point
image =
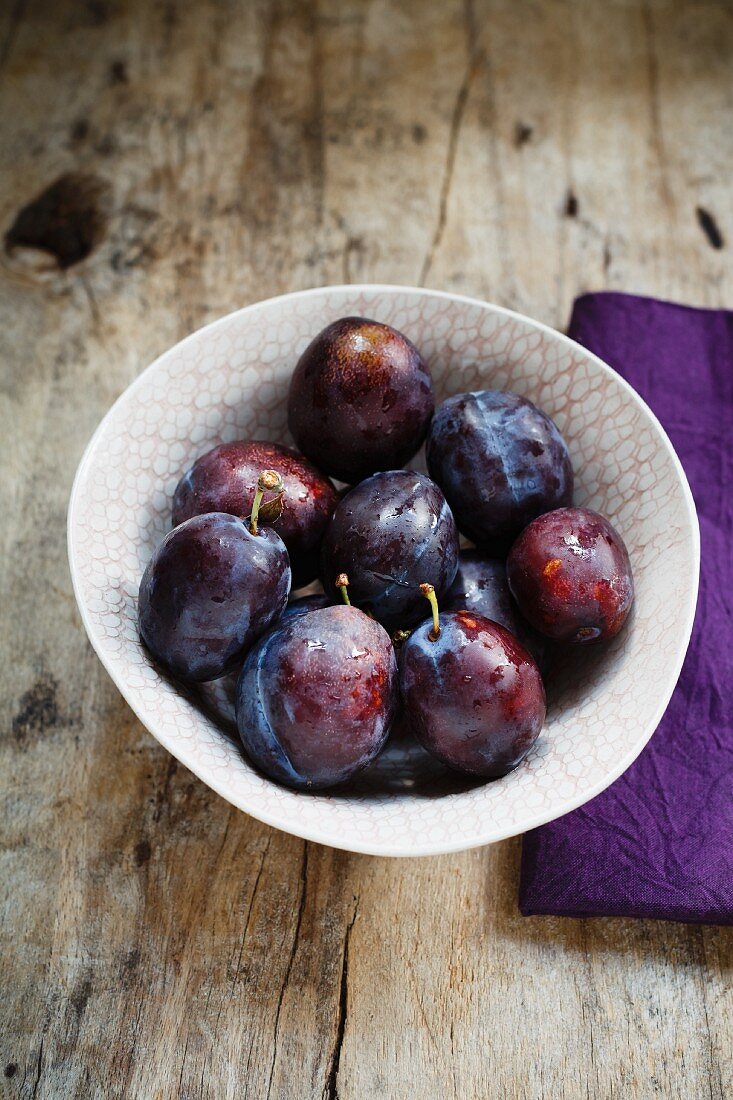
(676, 800)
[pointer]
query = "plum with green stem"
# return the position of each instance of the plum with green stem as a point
(316, 697)
(225, 480)
(212, 587)
(472, 694)
(388, 534)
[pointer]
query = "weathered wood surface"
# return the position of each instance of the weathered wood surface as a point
(156, 942)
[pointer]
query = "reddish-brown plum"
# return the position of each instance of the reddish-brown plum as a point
(225, 479)
(389, 534)
(210, 590)
(473, 695)
(480, 585)
(360, 399)
(570, 574)
(500, 462)
(316, 697)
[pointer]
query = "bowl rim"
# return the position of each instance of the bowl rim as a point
(283, 822)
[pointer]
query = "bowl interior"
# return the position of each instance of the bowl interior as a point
(230, 381)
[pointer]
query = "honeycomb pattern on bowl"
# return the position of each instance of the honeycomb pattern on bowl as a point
(229, 381)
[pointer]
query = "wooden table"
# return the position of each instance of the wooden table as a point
(157, 942)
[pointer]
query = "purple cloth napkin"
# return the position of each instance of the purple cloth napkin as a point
(676, 800)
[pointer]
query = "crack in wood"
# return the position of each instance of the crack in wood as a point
(456, 1093)
(607, 257)
(249, 915)
(39, 1066)
(15, 18)
(713, 1064)
(238, 967)
(183, 1066)
(133, 1047)
(224, 838)
(315, 130)
(469, 20)
(291, 959)
(331, 1090)
(655, 104)
(459, 110)
(164, 793)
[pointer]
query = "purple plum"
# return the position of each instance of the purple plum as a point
(225, 480)
(570, 573)
(360, 399)
(316, 697)
(500, 462)
(389, 534)
(210, 590)
(472, 694)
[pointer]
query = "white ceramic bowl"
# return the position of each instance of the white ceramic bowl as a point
(229, 381)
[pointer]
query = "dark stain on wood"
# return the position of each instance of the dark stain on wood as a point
(606, 258)
(142, 853)
(170, 16)
(79, 131)
(97, 12)
(572, 205)
(710, 227)
(38, 711)
(11, 1069)
(129, 965)
(522, 134)
(106, 145)
(419, 133)
(80, 997)
(67, 220)
(118, 72)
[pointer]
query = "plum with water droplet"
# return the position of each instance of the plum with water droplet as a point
(389, 534)
(500, 462)
(210, 590)
(225, 480)
(316, 697)
(360, 399)
(472, 694)
(570, 573)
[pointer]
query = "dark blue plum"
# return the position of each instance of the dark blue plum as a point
(500, 462)
(570, 573)
(360, 399)
(390, 534)
(317, 696)
(473, 696)
(210, 590)
(481, 586)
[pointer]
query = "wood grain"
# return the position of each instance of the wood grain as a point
(156, 942)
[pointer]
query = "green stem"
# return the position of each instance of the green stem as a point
(429, 593)
(342, 583)
(268, 482)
